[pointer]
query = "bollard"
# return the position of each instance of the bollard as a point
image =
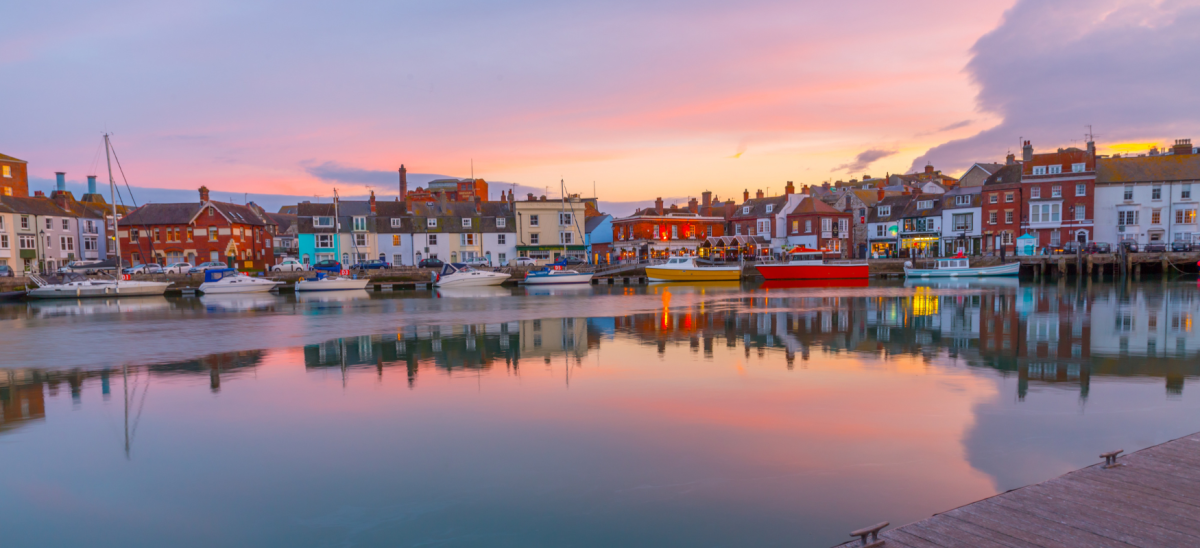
(873, 532)
(1110, 458)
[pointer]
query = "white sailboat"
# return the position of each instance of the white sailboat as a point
(228, 280)
(959, 266)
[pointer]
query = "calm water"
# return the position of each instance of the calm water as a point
(664, 416)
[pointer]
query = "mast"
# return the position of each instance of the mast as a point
(112, 187)
(562, 191)
(337, 225)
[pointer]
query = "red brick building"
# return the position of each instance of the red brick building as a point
(816, 224)
(1059, 190)
(240, 235)
(1002, 208)
(453, 190)
(661, 231)
(14, 177)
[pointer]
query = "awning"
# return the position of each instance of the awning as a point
(730, 241)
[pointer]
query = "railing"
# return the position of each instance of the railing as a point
(36, 279)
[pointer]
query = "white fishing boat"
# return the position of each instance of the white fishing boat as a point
(461, 275)
(959, 267)
(330, 283)
(228, 280)
(555, 274)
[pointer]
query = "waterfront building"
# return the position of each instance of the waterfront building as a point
(43, 236)
(1002, 206)
(451, 190)
(14, 177)
(962, 213)
(883, 225)
(977, 174)
(91, 236)
(451, 232)
(764, 219)
(921, 226)
(1149, 198)
(548, 228)
(197, 232)
(656, 232)
(814, 224)
(598, 237)
(1059, 191)
(859, 202)
(287, 244)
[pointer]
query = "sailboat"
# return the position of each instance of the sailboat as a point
(555, 273)
(100, 287)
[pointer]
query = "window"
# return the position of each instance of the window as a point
(710, 231)
(533, 220)
(396, 242)
(1078, 168)
(503, 259)
(27, 242)
(24, 222)
(1185, 191)
(1128, 193)
(360, 224)
(745, 210)
(466, 239)
(1156, 192)
(501, 240)
(1006, 238)
(962, 222)
(3, 241)
(994, 198)
(1035, 192)
(466, 222)
(657, 232)
(322, 222)
(795, 226)
(1056, 191)
(397, 223)
(808, 226)
(360, 240)
(1080, 213)
(1081, 189)
(211, 213)
(324, 240)
(1127, 218)
(49, 223)
(879, 231)
(826, 224)
(674, 232)
(1008, 216)
(770, 208)
(1185, 216)
(884, 211)
(564, 219)
(1156, 217)
(430, 222)
(133, 235)
(566, 237)
(432, 240)
(157, 235)
(992, 218)
(1039, 170)
(962, 200)
(1055, 238)
(501, 222)
(843, 226)
(1008, 197)
(737, 230)
(1055, 169)
(534, 239)
(6, 171)
(66, 224)
(925, 204)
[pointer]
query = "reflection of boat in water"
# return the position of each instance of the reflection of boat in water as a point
(810, 264)
(699, 286)
(461, 275)
(327, 283)
(83, 307)
(550, 290)
(473, 291)
(239, 301)
(228, 280)
(964, 283)
(816, 284)
(685, 269)
(959, 267)
(342, 295)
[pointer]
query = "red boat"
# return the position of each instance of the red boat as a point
(810, 264)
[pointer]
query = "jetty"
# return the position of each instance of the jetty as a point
(1149, 498)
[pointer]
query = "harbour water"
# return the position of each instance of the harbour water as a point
(663, 415)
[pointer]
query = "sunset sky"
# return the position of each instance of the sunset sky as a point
(641, 99)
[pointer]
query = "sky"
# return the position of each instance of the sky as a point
(280, 101)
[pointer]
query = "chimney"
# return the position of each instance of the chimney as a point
(746, 195)
(790, 188)
(693, 206)
(39, 194)
(203, 194)
(758, 193)
(804, 189)
(510, 196)
(1010, 159)
(825, 185)
(372, 200)
(61, 177)
(60, 198)
(403, 183)
(530, 198)
(1026, 152)
(707, 197)
(881, 194)
(543, 197)
(91, 184)
(658, 205)
(1091, 148)
(1182, 146)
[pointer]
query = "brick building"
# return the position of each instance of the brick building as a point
(1002, 207)
(453, 190)
(239, 235)
(659, 231)
(1059, 190)
(14, 177)
(818, 225)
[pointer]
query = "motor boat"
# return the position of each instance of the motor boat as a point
(228, 280)
(324, 282)
(461, 275)
(810, 264)
(685, 269)
(94, 288)
(556, 274)
(959, 266)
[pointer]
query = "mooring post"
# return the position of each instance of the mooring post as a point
(873, 532)
(1110, 458)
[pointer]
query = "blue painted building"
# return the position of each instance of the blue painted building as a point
(598, 238)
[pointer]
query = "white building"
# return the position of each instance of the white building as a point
(1149, 198)
(962, 220)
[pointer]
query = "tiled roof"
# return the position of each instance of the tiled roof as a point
(7, 158)
(182, 214)
(897, 205)
(1065, 157)
(283, 221)
(594, 222)
(758, 207)
(1167, 167)
(1008, 174)
(33, 206)
(810, 205)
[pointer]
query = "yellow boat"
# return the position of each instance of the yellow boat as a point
(685, 269)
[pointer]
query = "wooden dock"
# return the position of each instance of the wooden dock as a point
(1147, 499)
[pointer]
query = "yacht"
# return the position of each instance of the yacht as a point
(685, 269)
(324, 282)
(810, 264)
(461, 275)
(555, 274)
(959, 266)
(228, 280)
(80, 289)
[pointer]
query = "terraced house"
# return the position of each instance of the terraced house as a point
(452, 232)
(238, 235)
(342, 230)
(548, 229)
(1150, 198)
(40, 235)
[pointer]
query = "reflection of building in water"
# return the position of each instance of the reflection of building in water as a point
(21, 398)
(1156, 326)
(550, 337)
(1055, 344)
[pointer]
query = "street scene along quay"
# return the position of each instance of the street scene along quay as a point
(413, 274)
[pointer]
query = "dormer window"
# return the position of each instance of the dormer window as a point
(397, 223)
(1055, 169)
(431, 222)
(500, 222)
(320, 222)
(745, 210)
(885, 211)
(770, 208)
(466, 223)
(925, 204)
(962, 200)
(360, 224)
(1078, 168)
(1039, 170)
(210, 211)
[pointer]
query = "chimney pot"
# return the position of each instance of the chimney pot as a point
(693, 206)
(881, 194)
(1010, 159)
(758, 193)
(61, 179)
(658, 205)
(790, 188)
(91, 184)
(203, 194)
(372, 200)
(929, 168)
(1027, 152)
(707, 197)
(746, 195)
(39, 194)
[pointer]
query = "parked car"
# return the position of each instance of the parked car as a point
(371, 265)
(148, 268)
(431, 263)
(290, 265)
(478, 262)
(524, 261)
(1156, 247)
(1130, 246)
(571, 261)
(328, 265)
(178, 268)
(1067, 248)
(1097, 247)
(6, 271)
(1181, 246)
(200, 268)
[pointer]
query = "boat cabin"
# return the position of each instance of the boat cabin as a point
(804, 255)
(215, 274)
(680, 261)
(953, 263)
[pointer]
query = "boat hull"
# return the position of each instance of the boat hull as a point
(715, 274)
(559, 279)
(99, 290)
(1010, 269)
(814, 271)
(332, 285)
(228, 289)
(472, 279)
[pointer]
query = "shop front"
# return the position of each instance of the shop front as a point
(919, 245)
(883, 249)
(734, 248)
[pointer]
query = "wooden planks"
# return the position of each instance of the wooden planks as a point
(1151, 500)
